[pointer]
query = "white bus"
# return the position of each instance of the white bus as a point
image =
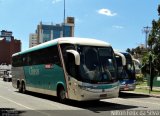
(69, 68)
(138, 66)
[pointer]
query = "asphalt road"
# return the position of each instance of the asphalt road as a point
(32, 104)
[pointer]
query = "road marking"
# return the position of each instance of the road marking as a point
(16, 103)
(24, 106)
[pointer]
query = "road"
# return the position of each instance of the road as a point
(15, 103)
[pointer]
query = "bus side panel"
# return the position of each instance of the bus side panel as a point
(44, 77)
(17, 75)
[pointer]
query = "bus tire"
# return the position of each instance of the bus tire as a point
(61, 94)
(23, 87)
(19, 87)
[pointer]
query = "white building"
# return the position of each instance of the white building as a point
(47, 32)
(33, 40)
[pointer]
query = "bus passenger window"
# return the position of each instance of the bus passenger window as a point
(70, 65)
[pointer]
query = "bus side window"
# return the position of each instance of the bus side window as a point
(17, 61)
(53, 55)
(29, 59)
(24, 60)
(70, 65)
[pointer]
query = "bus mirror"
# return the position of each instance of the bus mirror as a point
(76, 55)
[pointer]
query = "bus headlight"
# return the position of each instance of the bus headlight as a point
(84, 87)
(123, 83)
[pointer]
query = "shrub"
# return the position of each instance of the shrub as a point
(139, 78)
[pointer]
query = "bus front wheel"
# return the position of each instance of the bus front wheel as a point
(61, 94)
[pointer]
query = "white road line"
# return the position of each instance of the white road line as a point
(24, 106)
(16, 103)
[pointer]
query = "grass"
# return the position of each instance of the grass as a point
(142, 87)
(140, 84)
(142, 90)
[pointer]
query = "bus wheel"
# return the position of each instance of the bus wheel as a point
(23, 88)
(61, 94)
(20, 87)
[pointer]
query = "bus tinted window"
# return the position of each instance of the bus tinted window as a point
(69, 59)
(45, 56)
(48, 55)
(17, 61)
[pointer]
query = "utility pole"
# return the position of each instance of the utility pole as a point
(146, 30)
(64, 17)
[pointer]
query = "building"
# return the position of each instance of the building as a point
(33, 40)
(47, 32)
(8, 46)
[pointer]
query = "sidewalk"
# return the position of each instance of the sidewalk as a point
(157, 89)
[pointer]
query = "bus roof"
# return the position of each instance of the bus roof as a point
(127, 54)
(122, 56)
(71, 40)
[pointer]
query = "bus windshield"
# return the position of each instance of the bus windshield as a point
(129, 62)
(119, 61)
(97, 64)
(130, 69)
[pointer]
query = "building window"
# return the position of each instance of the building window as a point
(67, 31)
(56, 34)
(8, 39)
(46, 35)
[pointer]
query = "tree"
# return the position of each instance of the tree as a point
(151, 60)
(128, 50)
(158, 9)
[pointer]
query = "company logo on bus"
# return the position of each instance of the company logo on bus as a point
(33, 71)
(49, 66)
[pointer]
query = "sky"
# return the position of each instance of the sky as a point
(118, 22)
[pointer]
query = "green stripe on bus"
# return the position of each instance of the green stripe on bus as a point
(38, 48)
(41, 76)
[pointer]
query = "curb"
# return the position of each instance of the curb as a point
(145, 94)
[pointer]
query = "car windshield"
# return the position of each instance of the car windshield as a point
(97, 64)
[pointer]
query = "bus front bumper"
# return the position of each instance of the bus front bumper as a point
(127, 87)
(97, 94)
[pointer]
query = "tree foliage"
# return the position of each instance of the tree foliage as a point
(154, 46)
(158, 9)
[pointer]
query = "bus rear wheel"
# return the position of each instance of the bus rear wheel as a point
(61, 95)
(19, 87)
(23, 88)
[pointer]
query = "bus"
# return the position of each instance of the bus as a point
(138, 66)
(126, 71)
(70, 68)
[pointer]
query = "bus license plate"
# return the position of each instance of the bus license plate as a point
(103, 95)
(126, 88)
